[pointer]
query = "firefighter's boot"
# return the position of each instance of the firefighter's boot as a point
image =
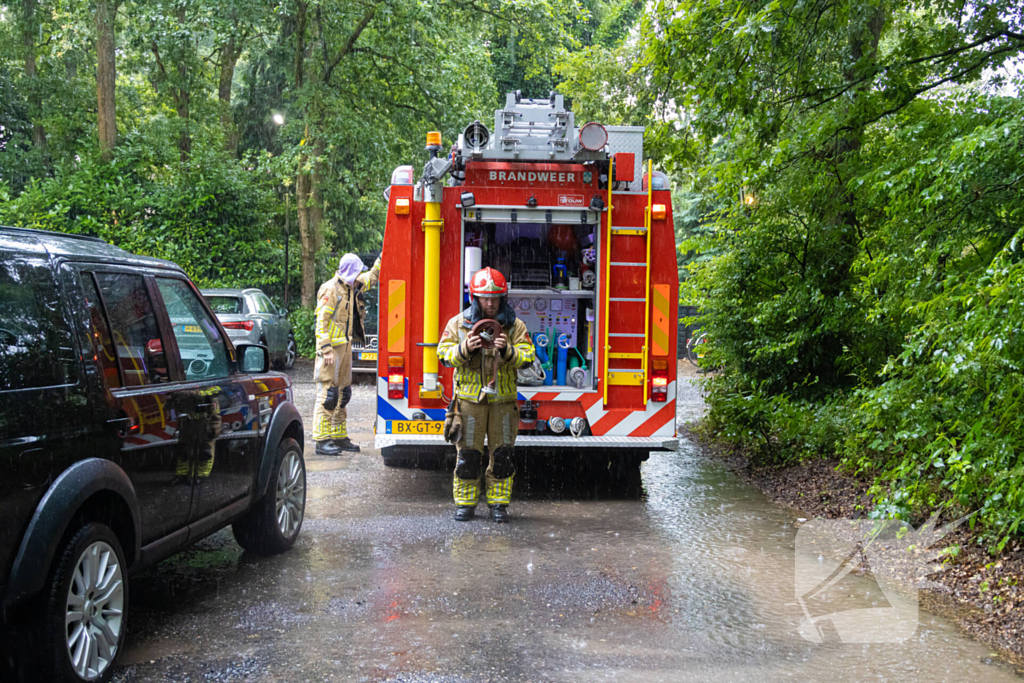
(464, 513)
(327, 448)
(499, 514)
(346, 444)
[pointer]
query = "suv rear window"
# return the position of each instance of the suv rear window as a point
(35, 341)
(230, 305)
(140, 349)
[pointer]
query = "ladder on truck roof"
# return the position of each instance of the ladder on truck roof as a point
(629, 376)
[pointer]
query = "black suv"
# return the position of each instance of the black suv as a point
(130, 427)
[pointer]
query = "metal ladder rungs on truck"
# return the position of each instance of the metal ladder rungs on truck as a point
(627, 376)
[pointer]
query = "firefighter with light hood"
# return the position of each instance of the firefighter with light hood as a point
(340, 311)
(484, 408)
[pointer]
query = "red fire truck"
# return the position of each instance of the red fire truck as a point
(584, 235)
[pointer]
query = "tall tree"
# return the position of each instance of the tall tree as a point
(30, 32)
(305, 189)
(106, 76)
(309, 180)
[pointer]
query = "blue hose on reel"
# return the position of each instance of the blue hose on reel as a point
(563, 357)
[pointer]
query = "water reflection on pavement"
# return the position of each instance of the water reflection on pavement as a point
(693, 582)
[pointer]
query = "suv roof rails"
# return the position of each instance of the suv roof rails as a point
(71, 235)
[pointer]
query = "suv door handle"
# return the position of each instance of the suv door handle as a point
(125, 425)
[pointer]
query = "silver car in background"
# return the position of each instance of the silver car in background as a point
(250, 317)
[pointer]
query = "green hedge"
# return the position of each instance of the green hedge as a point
(303, 322)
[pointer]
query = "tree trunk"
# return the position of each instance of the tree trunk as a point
(316, 203)
(182, 96)
(306, 196)
(228, 60)
(863, 42)
(28, 36)
(106, 73)
(307, 238)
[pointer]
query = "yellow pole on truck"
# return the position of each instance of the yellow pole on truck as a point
(432, 226)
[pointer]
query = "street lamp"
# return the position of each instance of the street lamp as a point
(748, 198)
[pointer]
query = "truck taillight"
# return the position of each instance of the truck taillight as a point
(396, 377)
(239, 325)
(659, 381)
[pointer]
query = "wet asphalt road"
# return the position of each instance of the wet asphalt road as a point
(691, 582)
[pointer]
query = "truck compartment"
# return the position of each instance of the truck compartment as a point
(551, 268)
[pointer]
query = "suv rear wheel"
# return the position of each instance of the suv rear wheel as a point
(273, 524)
(85, 608)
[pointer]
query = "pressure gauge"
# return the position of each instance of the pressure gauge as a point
(524, 305)
(540, 305)
(511, 302)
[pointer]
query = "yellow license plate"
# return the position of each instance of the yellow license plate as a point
(191, 328)
(417, 427)
(367, 356)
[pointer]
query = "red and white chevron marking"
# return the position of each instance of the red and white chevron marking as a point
(658, 419)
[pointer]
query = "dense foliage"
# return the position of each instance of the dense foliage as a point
(860, 173)
(226, 112)
(850, 177)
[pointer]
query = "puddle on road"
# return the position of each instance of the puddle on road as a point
(733, 590)
(323, 465)
(693, 582)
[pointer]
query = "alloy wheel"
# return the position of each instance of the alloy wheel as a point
(290, 353)
(95, 609)
(291, 494)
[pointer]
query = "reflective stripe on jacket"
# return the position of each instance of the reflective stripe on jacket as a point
(474, 370)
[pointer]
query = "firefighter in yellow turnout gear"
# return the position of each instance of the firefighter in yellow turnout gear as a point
(491, 415)
(340, 312)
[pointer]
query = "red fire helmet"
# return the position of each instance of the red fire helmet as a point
(488, 282)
